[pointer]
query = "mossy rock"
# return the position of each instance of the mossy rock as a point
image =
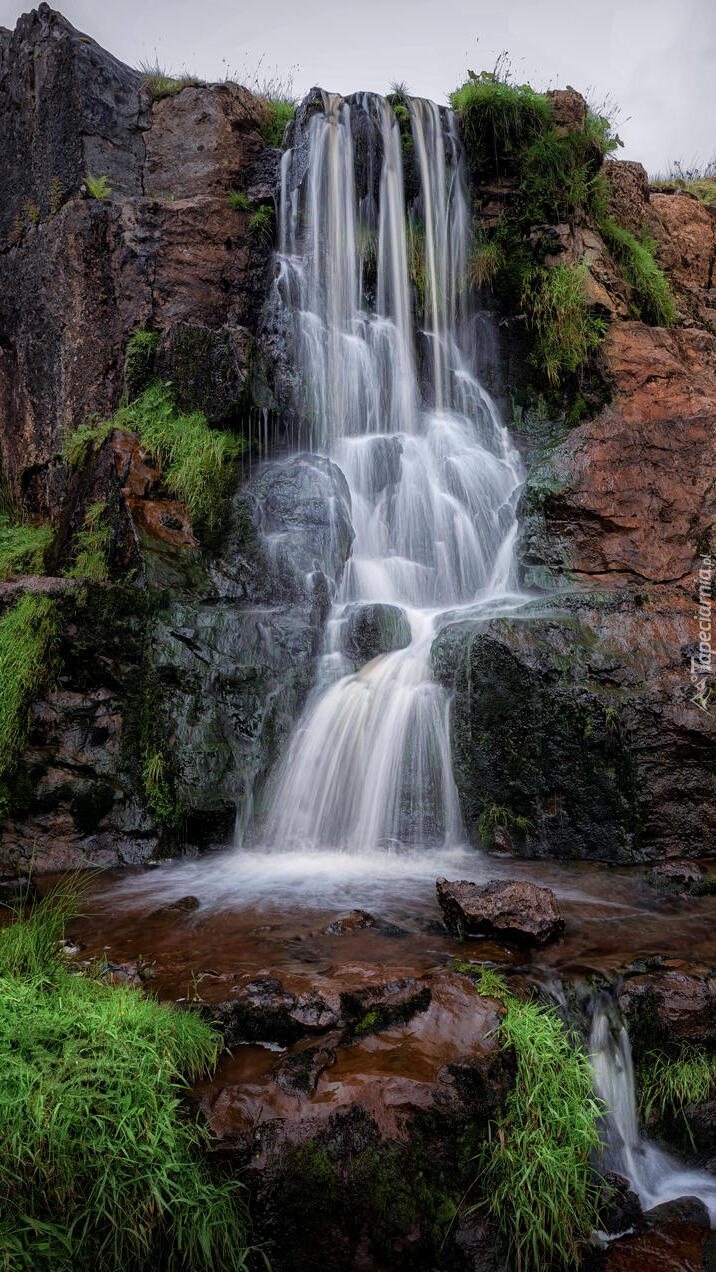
(209, 370)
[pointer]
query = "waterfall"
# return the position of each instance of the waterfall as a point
(374, 288)
(654, 1175)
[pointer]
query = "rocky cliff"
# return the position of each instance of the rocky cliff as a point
(578, 731)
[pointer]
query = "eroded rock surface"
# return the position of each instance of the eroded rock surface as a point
(521, 912)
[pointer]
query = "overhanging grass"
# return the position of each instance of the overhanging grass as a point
(670, 1083)
(565, 327)
(535, 1169)
(22, 547)
(100, 1167)
(637, 262)
(196, 461)
(498, 118)
(277, 114)
(28, 658)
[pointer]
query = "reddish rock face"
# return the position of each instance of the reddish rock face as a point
(672, 1247)
(679, 1004)
(519, 912)
(628, 193)
(685, 230)
(201, 141)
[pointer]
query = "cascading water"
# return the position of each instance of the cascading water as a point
(654, 1175)
(432, 475)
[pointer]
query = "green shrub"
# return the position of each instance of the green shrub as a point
(92, 546)
(536, 1177)
(101, 1167)
(262, 223)
(559, 176)
(97, 187)
(22, 547)
(238, 201)
(498, 118)
(565, 328)
(276, 116)
(637, 262)
(28, 660)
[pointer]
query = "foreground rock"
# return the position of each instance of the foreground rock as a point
(515, 911)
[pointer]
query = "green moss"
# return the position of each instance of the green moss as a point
(28, 661)
(363, 1018)
(139, 361)
(102, 1168)
(277, 115)
(22, 547)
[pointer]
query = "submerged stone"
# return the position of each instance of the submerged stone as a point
(370, 630)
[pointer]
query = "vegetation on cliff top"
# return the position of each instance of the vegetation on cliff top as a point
(28, 660)
(536, 1176)
(101, 1166)
(551, 174)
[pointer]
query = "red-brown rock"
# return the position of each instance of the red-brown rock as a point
(514, 911)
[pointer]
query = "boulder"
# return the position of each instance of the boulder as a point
(679, 1210)
(569, 110)
(669, 1006)
(370, 630)
(513, 910)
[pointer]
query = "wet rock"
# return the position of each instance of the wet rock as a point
(680, 1210)
(619, 1207)
(515, 911)
(298, 1073)
(370, 630)
(263, 1011)
(666, 1007)
(209, 370)
(351, 922)
(574, 725)
(670, 1247)
(675, 876)
(377, 1007)
(19, 891)
(185, 905)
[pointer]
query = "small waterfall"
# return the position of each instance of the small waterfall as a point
(393, 398)
(654, 1175)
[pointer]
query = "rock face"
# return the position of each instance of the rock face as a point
(164, 248)
(519, 912)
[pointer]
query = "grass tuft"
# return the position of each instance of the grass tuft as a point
(262, 223)
(92, 546)
(535, 1168)
(498, 118)
(637, 261)
(101, 1166)
(564, 326)
(670, 1083)
(238, 201)
(28, 658)
(22, 547)
(277, 114)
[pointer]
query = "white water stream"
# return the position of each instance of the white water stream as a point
(432, 474)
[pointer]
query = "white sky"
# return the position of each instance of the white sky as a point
(656, 58)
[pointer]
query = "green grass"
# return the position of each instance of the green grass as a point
(262, 223)
(161, 84)
(637, 262)
(28, 659)
(139, 360)
(101, 1167)
(536, 1176)
(22, 547)
(487, 258)
(92, 546)
(196, 461)
(238, 201)
(565, 328)
(97, 187)
(670, 1083)
(498, 118)
(277, 114)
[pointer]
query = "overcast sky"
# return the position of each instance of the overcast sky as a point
(655, 58)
